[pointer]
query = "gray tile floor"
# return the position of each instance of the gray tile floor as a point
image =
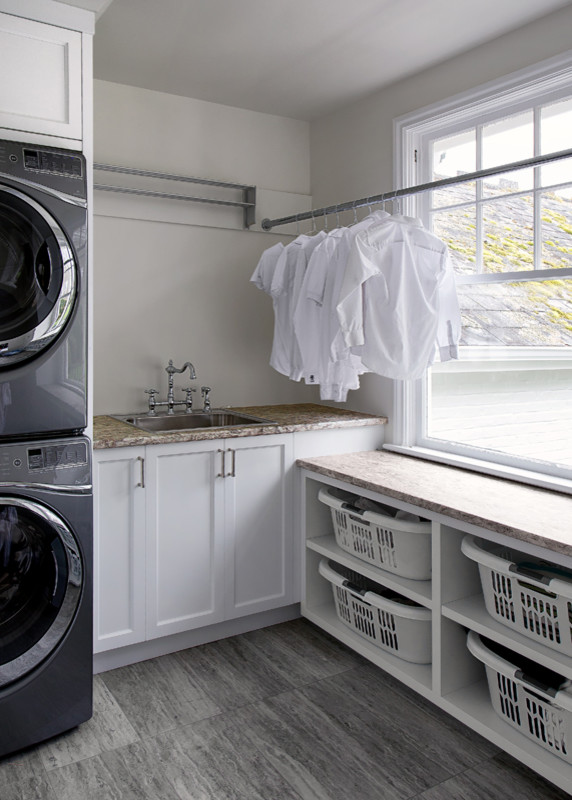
(284, 713)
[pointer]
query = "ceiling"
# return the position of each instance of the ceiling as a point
(295, 58)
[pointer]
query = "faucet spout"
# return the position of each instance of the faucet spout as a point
(171, 370)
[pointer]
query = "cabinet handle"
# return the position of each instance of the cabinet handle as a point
(232, 473)
(141, 483)
(221, 473)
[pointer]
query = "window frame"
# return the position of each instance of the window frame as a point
(544, 83)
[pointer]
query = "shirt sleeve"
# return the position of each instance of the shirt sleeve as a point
(449, 322)
(361, 265)
(262, 275)
(279, 277)
(318, 271)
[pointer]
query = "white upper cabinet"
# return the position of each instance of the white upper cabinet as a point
(41, 86)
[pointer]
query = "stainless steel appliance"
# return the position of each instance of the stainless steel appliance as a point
(43, 291)
(45, 589)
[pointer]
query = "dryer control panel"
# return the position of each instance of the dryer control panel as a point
(62, 462)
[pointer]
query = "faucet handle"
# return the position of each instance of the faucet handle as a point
(189, 398)
(152, 401)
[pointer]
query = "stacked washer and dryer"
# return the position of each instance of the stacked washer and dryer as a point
(45, 458)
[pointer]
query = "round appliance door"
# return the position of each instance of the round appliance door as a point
(37, 278)
(40, 584)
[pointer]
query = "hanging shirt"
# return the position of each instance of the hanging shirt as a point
(398, 305)
(316, 323)
(262, 278)
(308, 313)
(285, 288)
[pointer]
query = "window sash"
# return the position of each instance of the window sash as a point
(534, 88)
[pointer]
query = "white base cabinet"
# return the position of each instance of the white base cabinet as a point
(455, 680)
(119, 547)
(192, 535)
(185, 538)
(219, 540)
(188, 535)
(258, 525)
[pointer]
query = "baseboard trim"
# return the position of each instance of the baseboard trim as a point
(123, 656)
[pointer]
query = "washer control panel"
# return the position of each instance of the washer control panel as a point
(51, 463)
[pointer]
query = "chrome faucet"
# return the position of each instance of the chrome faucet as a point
(171, 370)
(170, 401)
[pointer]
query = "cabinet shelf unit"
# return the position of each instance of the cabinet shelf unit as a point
(455, 680)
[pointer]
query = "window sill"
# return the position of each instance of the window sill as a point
(498, 470)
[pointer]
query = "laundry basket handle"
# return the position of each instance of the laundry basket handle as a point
(353, 510)
(354, 589)
(535, 683)
(529, 574)
(556, 585)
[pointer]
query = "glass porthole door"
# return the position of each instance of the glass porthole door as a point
(40, 584)
(37, 278)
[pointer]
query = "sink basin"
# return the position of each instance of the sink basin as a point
(197, 419)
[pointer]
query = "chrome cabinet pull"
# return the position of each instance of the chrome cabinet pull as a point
(232, 473)
(221, 474)
(141, 483)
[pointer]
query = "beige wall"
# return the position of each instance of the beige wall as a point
(352, 150)
(171, 279)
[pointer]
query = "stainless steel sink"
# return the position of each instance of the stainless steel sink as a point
(218, 418)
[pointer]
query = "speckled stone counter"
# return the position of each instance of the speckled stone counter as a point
(109, 432)
(532, 515)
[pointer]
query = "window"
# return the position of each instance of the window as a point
(508, 399)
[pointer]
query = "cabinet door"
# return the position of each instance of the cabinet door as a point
(43, 94)
(119, 547)
(259, 554)
(185, 556)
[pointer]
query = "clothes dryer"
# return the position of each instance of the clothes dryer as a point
(45, 589)
(43, 291)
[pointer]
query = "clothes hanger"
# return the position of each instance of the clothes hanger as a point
(314, 228)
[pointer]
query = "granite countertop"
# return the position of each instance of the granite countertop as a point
(109, 432)
(530, 514)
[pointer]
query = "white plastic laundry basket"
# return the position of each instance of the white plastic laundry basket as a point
(529, 595)
(539, 711)
(392, 623)
(399, 546)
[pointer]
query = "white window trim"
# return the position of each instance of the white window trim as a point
(542, 80)
(521, 89)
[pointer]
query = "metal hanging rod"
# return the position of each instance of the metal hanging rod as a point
(248, 203)
(268, 224)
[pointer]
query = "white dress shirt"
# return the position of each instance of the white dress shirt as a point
(398, 305)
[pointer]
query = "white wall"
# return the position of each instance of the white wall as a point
(171, 279)
(352, 150)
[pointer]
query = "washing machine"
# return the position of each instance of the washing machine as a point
(45, 589)
(43, 291)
